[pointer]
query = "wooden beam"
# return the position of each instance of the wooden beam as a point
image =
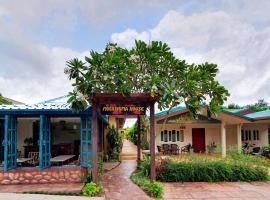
(152, 142)
(94, 143)
(139, 141)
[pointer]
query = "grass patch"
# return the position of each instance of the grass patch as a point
(154, 189)
(196, 168)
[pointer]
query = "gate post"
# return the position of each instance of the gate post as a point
(152, 142)
(94, 140)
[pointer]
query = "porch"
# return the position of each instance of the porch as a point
(46, 143)
(221, 133)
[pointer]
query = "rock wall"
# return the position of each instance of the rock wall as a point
(50, 175)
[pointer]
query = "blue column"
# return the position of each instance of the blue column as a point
(86, 142)
(44, 142)
(10, 143)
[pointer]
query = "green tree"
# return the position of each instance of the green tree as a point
(3, 100)
(151, 68)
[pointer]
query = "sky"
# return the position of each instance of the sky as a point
(38, 37)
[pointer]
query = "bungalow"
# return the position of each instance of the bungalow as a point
(47, 142)
(229, 127)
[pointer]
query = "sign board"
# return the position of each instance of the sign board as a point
(123, 109)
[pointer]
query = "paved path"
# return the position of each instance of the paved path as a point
(217, 191)
(13, 196)
(129, 151)
(117, 184)
(71, 187)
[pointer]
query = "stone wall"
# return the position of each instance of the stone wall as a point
(50, 175)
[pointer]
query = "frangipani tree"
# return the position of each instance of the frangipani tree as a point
(145, 68)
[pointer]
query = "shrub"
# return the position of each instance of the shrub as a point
(145, 165)
(91, 189)
(115, 144)
(213, 170)
(154, 189)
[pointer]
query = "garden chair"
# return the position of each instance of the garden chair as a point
(34, 158)
(160, 149)
(256, 151)
(186, 148)
(166, 148)
(175, 149)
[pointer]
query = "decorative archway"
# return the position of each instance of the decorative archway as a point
(125, 102)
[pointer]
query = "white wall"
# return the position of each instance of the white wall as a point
(263, 132)
(24, 130)
(212, 133)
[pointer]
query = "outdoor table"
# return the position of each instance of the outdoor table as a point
(23, 160)
(61, 158)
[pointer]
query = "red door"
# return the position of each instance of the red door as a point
(198, 140)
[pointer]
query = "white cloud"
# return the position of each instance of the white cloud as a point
(31, 72)
(240, 50)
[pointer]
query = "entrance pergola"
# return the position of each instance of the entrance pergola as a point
(144, 99)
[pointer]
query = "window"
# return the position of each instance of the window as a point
(246, 135)
(165, 136)
(178, 135)
(249, 135)
(173, 136)
(256, 135)
(182, 135)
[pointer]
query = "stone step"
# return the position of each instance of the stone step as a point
(128, 157)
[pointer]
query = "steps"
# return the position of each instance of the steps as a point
(129, 151)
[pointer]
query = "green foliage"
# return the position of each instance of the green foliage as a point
(145, 166)
(91, 189)
(87, 177)
(145, 68)
(28, 141)
(212, 170)
(132, 134)
(154, 189)
(115, 144)
(145, 144)
(4, 101)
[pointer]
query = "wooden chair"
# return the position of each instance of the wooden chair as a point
(34, 158)
(186, 148)
(166, 148)
(175, 149)
(160, 149)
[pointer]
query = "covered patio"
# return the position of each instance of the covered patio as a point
(46, 142)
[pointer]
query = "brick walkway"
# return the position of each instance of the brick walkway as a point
(72, 187)
(117, 184)
(217, 191)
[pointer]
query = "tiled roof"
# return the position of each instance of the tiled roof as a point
(175, 109)
(235, 112)
(260, 115)
(59, 103)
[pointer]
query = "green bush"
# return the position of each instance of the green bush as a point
(114, 144)
(91, 189)
(211, 171)
(154, 189)
(145, 166)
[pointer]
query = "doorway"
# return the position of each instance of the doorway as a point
(198, 140)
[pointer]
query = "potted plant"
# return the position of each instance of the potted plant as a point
(28, 141)
(211, 147)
